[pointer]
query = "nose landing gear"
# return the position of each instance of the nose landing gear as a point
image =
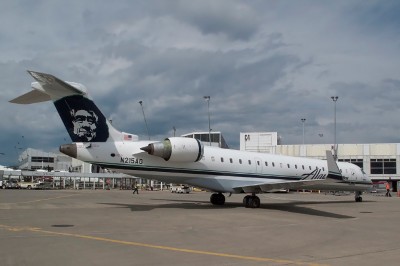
(358, 197)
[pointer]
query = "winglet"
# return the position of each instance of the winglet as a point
(333, 169)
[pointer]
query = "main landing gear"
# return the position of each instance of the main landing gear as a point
(217, 199)
(358, 197)
(249, 201)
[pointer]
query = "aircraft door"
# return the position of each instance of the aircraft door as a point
(353, 174)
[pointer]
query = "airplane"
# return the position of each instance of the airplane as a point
(184, 160)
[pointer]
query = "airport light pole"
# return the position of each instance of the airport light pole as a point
(303, 120)
(208, 98)
(334, 98)
(174, 128)
(144, 117)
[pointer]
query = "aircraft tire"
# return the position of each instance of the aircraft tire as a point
(217, 199)
(246, 201)
(256, 202)
(251, 202)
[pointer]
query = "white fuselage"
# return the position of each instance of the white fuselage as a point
(221, 170)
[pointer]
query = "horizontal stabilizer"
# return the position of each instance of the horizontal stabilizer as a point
(34, 96)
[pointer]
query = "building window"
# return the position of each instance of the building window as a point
(383, 166)
(358, 162)
(36, 159)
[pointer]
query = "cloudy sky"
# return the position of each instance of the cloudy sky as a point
(265, 64)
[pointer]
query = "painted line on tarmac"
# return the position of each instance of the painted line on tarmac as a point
(38, 200)
(138, 244)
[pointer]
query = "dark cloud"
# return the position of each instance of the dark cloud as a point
(265, 64)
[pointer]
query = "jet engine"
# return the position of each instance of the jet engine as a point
(176, 149)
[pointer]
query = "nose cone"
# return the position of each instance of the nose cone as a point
(69, 149)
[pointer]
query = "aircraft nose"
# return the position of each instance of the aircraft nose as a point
(69, 149)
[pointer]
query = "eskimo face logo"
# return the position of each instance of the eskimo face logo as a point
(82, 118)
(85, 123)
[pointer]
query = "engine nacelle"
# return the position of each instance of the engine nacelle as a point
(177, 149)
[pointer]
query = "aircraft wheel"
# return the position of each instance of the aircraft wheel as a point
(255, 202)
(246, 201)
(217, 199)
(358, 197)
(251, 202)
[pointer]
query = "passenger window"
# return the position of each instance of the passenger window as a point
(222, 159)
(309, 167)
(240, 161)
(273, 164)
(213, 158)
(258, 163)
(266, 163)
(302, 167)
(295, 166)
(288, 165)
(230, 159)
(249, 162)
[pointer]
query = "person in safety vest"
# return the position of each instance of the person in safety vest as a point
(388, 190)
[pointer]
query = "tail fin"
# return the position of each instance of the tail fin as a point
(81, 117)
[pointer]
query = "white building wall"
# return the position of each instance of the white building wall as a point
(256, 141)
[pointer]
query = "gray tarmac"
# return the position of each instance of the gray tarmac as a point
(97, 227)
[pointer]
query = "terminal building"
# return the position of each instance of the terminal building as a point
(379, 160)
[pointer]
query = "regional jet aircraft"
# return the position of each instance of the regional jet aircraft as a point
(185, 160)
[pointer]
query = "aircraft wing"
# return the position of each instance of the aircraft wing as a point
(275, 185)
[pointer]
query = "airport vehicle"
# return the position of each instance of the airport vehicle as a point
(180, 189)
(10, 184)
(28, 185)
(183, 160)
